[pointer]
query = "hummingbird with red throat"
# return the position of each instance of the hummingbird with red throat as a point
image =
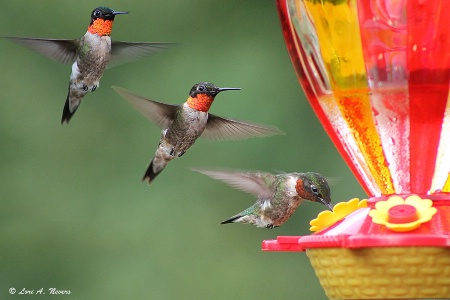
(89, 55)
(183, 124)
(279, 195)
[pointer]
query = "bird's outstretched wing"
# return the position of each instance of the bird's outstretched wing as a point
(260, 184)
(159, 113)
(219, 128)
(59, 50)
(123, 52)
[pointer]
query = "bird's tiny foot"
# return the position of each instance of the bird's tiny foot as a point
(181, 153)
(94, 87)
(85, 88)
(172, 152)
(269, 226)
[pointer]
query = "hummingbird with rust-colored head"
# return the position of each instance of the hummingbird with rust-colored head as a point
(183, 124)
(89, 55)
(278, 195)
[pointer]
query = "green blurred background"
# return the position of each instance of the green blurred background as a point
(74, 214)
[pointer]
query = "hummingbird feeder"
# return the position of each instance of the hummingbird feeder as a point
(377, 74)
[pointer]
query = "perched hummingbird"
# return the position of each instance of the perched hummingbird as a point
(183, 124)
(278, 195)
(89, 55)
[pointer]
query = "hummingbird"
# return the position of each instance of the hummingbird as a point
(279, 195)
(183, 124)
(89, 55)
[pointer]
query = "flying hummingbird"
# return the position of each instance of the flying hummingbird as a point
(183, 124)
(279, 195)
(89, 55)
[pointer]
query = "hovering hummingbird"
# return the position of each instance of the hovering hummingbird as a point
(183, 124)
(89, 55)
(278, 195)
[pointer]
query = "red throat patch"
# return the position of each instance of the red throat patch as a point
(101, 27)
(201, 103)
(299, 187)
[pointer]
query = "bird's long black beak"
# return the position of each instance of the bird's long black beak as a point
(120, 13)
(327, 204)
(228, 89)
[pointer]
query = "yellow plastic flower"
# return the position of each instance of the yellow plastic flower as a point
(403, 215)
(340, 211)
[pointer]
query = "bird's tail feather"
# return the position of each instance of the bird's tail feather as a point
(68, 112)
(153, 170)
(231, 220)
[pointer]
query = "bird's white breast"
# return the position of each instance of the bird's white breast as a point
(290, 186)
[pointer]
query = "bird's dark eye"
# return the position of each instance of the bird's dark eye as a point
(97, 13)
(314, 189)
(201, 88)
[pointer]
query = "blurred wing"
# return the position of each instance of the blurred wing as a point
(262, 185)
(159, 113)
(123, 52)
(61, 51)
(333, 180)
(219, 128)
